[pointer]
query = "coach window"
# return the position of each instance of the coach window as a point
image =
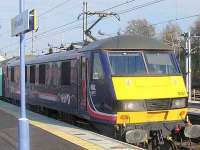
(42, 73)
(97, 67)
(32, 74)
(12, 74)
(65, 73)
(7, 71)
(25, 73)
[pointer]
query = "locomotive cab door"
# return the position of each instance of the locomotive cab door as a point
(82, 89)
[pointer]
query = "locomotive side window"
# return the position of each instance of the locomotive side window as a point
(42, 73)
(32, 74)
(12, 74)
(97, 67)
(65, 73)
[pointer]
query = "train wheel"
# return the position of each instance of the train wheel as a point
(118, 136)
(168, 145)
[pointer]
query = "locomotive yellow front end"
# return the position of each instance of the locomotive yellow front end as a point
(151, 98)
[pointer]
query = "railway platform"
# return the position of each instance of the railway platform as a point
(47, 133)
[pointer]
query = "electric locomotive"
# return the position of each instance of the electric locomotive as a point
(130, 83)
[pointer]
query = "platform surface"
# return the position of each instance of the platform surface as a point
(50, 134)
(40, 139)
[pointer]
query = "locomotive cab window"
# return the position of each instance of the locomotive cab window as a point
(97, 67)
(161, 63)
(65, 73)
(126, 63)
(42, 73)
(12, 74)
(32, 74)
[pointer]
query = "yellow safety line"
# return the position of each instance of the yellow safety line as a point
(66, 136)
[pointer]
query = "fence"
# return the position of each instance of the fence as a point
(195, 95)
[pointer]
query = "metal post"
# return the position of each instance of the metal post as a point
(24, 142)
(186, 62)
(86, 20)
(189, 68)
(83, 22)
(32, 44)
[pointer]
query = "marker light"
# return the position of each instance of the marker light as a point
(179, 103)
(134, 106)
(124, 117)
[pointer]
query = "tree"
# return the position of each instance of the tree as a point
(141, 27)
(171, 35)
(195, 30)
(50, 50)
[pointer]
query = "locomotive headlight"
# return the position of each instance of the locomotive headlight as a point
(179, 103)
(134, 106)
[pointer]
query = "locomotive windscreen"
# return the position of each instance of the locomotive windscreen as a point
(127, 63)
(133, 63)
(161, 63)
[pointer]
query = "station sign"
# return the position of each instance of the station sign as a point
(23, 23)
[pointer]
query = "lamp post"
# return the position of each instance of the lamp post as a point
(24, 140)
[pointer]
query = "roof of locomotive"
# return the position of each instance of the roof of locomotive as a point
(134, 42)
(122, 42)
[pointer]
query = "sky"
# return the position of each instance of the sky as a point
(56, 14)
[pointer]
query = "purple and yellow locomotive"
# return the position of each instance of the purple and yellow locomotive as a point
(132, 84)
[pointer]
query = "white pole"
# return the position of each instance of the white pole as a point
(189, 68)
(186, 63)
(24, 141)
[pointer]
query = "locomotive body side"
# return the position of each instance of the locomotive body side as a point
(52, 81)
